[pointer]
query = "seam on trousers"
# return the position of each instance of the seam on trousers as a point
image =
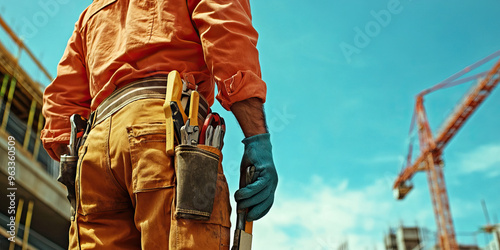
(108, 158)
(176, 227)
(152, 9)
(77, 215)
(220, 237)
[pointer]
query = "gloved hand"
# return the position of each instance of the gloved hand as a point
(259, 195)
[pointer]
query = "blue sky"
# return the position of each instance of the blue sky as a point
(339, 120)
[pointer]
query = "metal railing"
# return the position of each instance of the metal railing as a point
(17, 128)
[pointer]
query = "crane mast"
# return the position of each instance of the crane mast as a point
(431, 148)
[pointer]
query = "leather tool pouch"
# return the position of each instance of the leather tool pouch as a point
(67, 176)
(196, 170)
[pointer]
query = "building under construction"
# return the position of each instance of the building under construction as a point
(35, 201)
(417, 238)
(403, 238)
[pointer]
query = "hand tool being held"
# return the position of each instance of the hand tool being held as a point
(243, 233)
(173, 98)
(258, 197)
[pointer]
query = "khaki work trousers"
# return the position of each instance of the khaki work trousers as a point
(125, 189)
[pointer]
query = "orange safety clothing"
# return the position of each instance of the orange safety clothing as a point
(115, 42)
(125, 189)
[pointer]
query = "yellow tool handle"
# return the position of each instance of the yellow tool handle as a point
(174, 94)
(193, 108)
(169, 124)
(174, 91)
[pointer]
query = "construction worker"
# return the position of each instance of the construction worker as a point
(125, 182)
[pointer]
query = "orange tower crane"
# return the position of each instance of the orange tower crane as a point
(431, 148)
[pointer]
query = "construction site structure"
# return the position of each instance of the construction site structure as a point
(33, 206)
(403, 238)
(416, 238)
(494, 230)
(495, 242)
(431, 147)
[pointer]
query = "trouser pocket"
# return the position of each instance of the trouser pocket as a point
(196, 174)
(151, 167)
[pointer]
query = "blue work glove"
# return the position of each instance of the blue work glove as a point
(258, 196)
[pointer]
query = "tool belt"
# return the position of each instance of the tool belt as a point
(194, 138)
(147, 88)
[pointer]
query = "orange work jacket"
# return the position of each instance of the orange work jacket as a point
(210, 42)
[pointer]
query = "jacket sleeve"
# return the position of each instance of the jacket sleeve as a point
(67, 94)
(229, 45)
